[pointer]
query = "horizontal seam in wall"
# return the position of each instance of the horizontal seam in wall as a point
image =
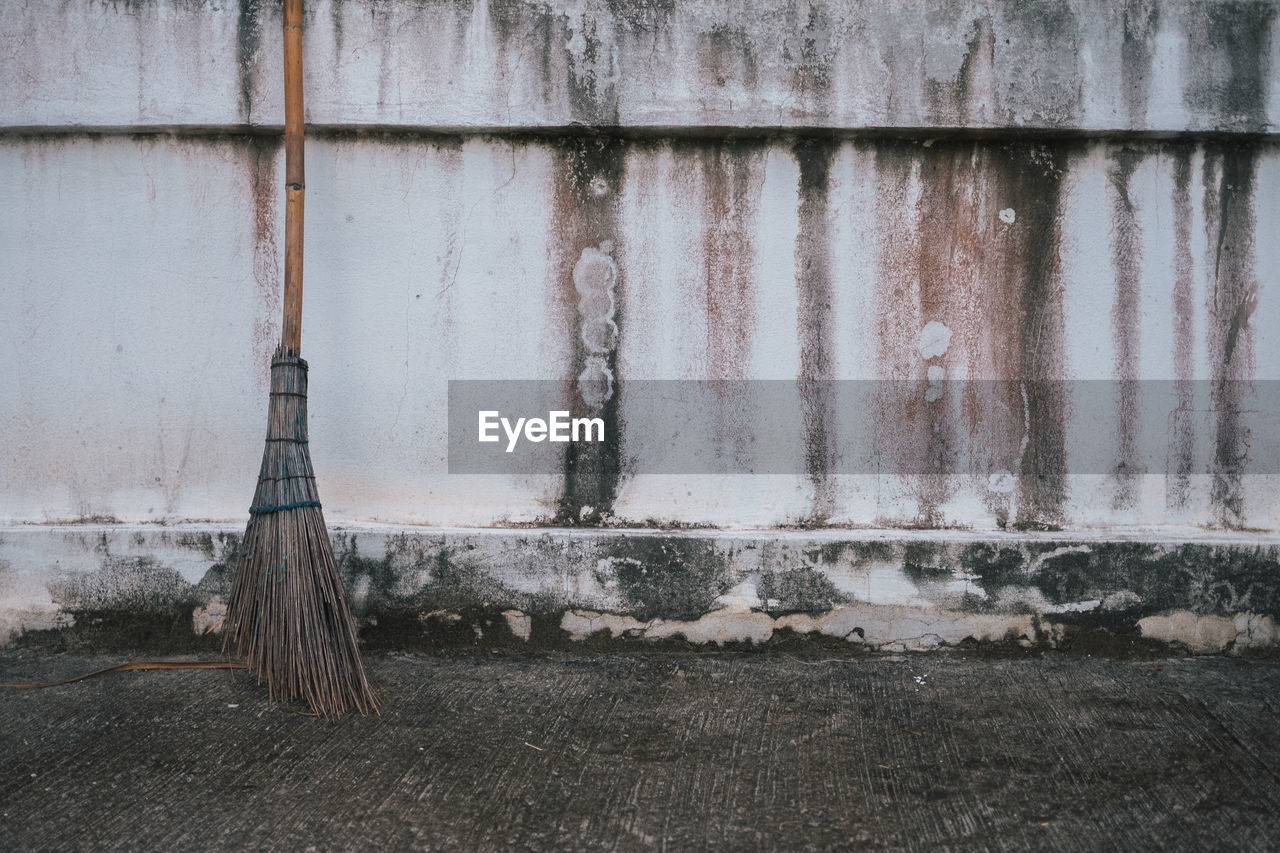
(638, 132)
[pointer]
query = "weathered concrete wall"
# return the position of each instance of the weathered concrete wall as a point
(142, 300)
(1172, 65)
(143, 586)
(936, 191)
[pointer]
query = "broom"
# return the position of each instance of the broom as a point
(288, 615)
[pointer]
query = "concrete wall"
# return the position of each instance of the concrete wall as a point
(142, 297)
(1170, 66)
(817, 190)
(142, 283)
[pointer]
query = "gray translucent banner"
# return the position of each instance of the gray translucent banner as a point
(981, 427)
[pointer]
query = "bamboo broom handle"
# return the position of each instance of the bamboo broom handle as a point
(295, 185)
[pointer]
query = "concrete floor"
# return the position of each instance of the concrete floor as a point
(728, 751)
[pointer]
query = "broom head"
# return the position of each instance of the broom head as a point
(288, 615)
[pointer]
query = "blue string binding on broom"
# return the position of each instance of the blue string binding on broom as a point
(264, 510)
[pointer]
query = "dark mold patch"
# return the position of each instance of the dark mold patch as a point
(798, 590)
(153, 630)
(1049, 42)
(397, 629)
(996, 567)
(1229, 176)
(1032, 177)
(336, 20)
(522, 27)
(457, 583)
(851, 553)
(217, 578)
(669, 578)
(1141, 17)
(200, 542)
(1107, 636)
(1126, 262)
(924, 561)
(979, 253)
(953, 103)
(588, 183)
(642, 16)
(248, 35)
(727, 54)
(809, 51)
(1228, 63)
(1084, 575)
(454, 581)
(129, 603)
(815, 292)
(1144, 579)
(1182, 445)
(592, 100)
(371, 583)
(122, 582)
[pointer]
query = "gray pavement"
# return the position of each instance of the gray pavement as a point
(589, 751)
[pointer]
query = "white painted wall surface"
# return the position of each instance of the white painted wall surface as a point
(141, 297)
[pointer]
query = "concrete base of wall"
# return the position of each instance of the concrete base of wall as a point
(164, 588)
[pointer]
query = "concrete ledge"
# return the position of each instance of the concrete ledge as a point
(147, 586)
(1174, 65)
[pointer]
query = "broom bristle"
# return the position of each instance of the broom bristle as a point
(288, 614)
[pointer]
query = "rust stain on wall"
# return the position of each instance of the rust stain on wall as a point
(897, 305)
(952, 233)
(264, 194)
(732, 179)
(969, 279)
(587, 186)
